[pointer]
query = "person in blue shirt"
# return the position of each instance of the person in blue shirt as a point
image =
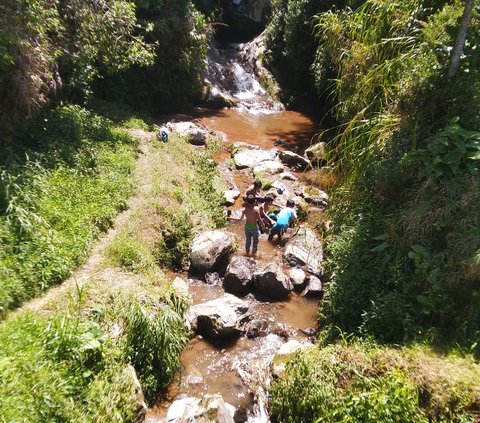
(284, 218)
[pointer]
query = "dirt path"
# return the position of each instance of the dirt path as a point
(94, 269)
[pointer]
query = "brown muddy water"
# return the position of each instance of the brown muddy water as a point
(234, 368)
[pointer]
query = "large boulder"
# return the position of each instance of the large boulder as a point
(219, 318)
(272, 282)
(315, 196)
(252, 158)
(208, 409)
(209, 249)
(269, 166)
(294, 160)
(239, 275)
(298, 278)
(314, 288)
(305, 250)
(317, 153)
(193, 133)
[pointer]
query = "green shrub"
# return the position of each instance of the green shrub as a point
(155, 336)
(360, 382)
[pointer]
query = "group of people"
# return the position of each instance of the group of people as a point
(260, 218)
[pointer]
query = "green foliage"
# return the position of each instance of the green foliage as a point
(79, 373)
(447, 154)
(403, 250)
(71, 365)
(291, 44)
(57, 196)
(180, 34)
(358, 382)
(46, 46)
(326, 390)
(174, 244)
(155, 337)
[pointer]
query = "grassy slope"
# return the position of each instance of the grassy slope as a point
(77, 355)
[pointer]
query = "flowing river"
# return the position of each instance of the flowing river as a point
(237, 369)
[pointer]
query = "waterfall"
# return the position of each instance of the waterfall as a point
(232, 76)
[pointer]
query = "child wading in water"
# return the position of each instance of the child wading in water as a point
(252, 216)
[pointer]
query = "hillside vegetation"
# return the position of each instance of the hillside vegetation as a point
(404, 249)
(403, 253)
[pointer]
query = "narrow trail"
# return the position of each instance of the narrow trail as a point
(94, 269)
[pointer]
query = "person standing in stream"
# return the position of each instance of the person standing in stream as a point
(252, 220)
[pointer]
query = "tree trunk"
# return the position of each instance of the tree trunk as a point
(460, 41)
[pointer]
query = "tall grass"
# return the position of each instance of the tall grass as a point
(60, 189)
(402, 252)
(73, 367)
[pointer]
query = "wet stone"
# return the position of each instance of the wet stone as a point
(208, 249)
(298, 278)
(239, 275)
(314, 288)
(272, 282)
(305, 250)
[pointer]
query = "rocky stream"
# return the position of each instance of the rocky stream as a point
(246, 311)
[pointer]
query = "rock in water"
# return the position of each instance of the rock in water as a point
(239, 275)
(252, 158)
(272, 282)
(314, 288)
(222, 317)
(208, 409)
(298, 278)
(209, 249)
(305, 250)
(294, 160)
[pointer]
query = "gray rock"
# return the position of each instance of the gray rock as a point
(212, 278)
(180, 285)
(314, 196)
(317, 154)
(271, 167)
(209, 249)
(140, 405)
(222, 317)
(305, 250)
(239, 275)
(208, 409)
(193, 133)
(314, 288)
(298, 278)
(294, 160)
(238, 146)
(287, 176)
(252, 158)
(272, 282)
(230, 196)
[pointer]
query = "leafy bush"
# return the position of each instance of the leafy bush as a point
(81, 373)
(47, 46)
(180, 34)
(358, 382)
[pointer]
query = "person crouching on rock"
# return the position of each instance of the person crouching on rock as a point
(252, 216)
(284, 218)
(268, 217)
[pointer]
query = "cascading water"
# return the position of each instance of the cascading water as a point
(232, 76)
